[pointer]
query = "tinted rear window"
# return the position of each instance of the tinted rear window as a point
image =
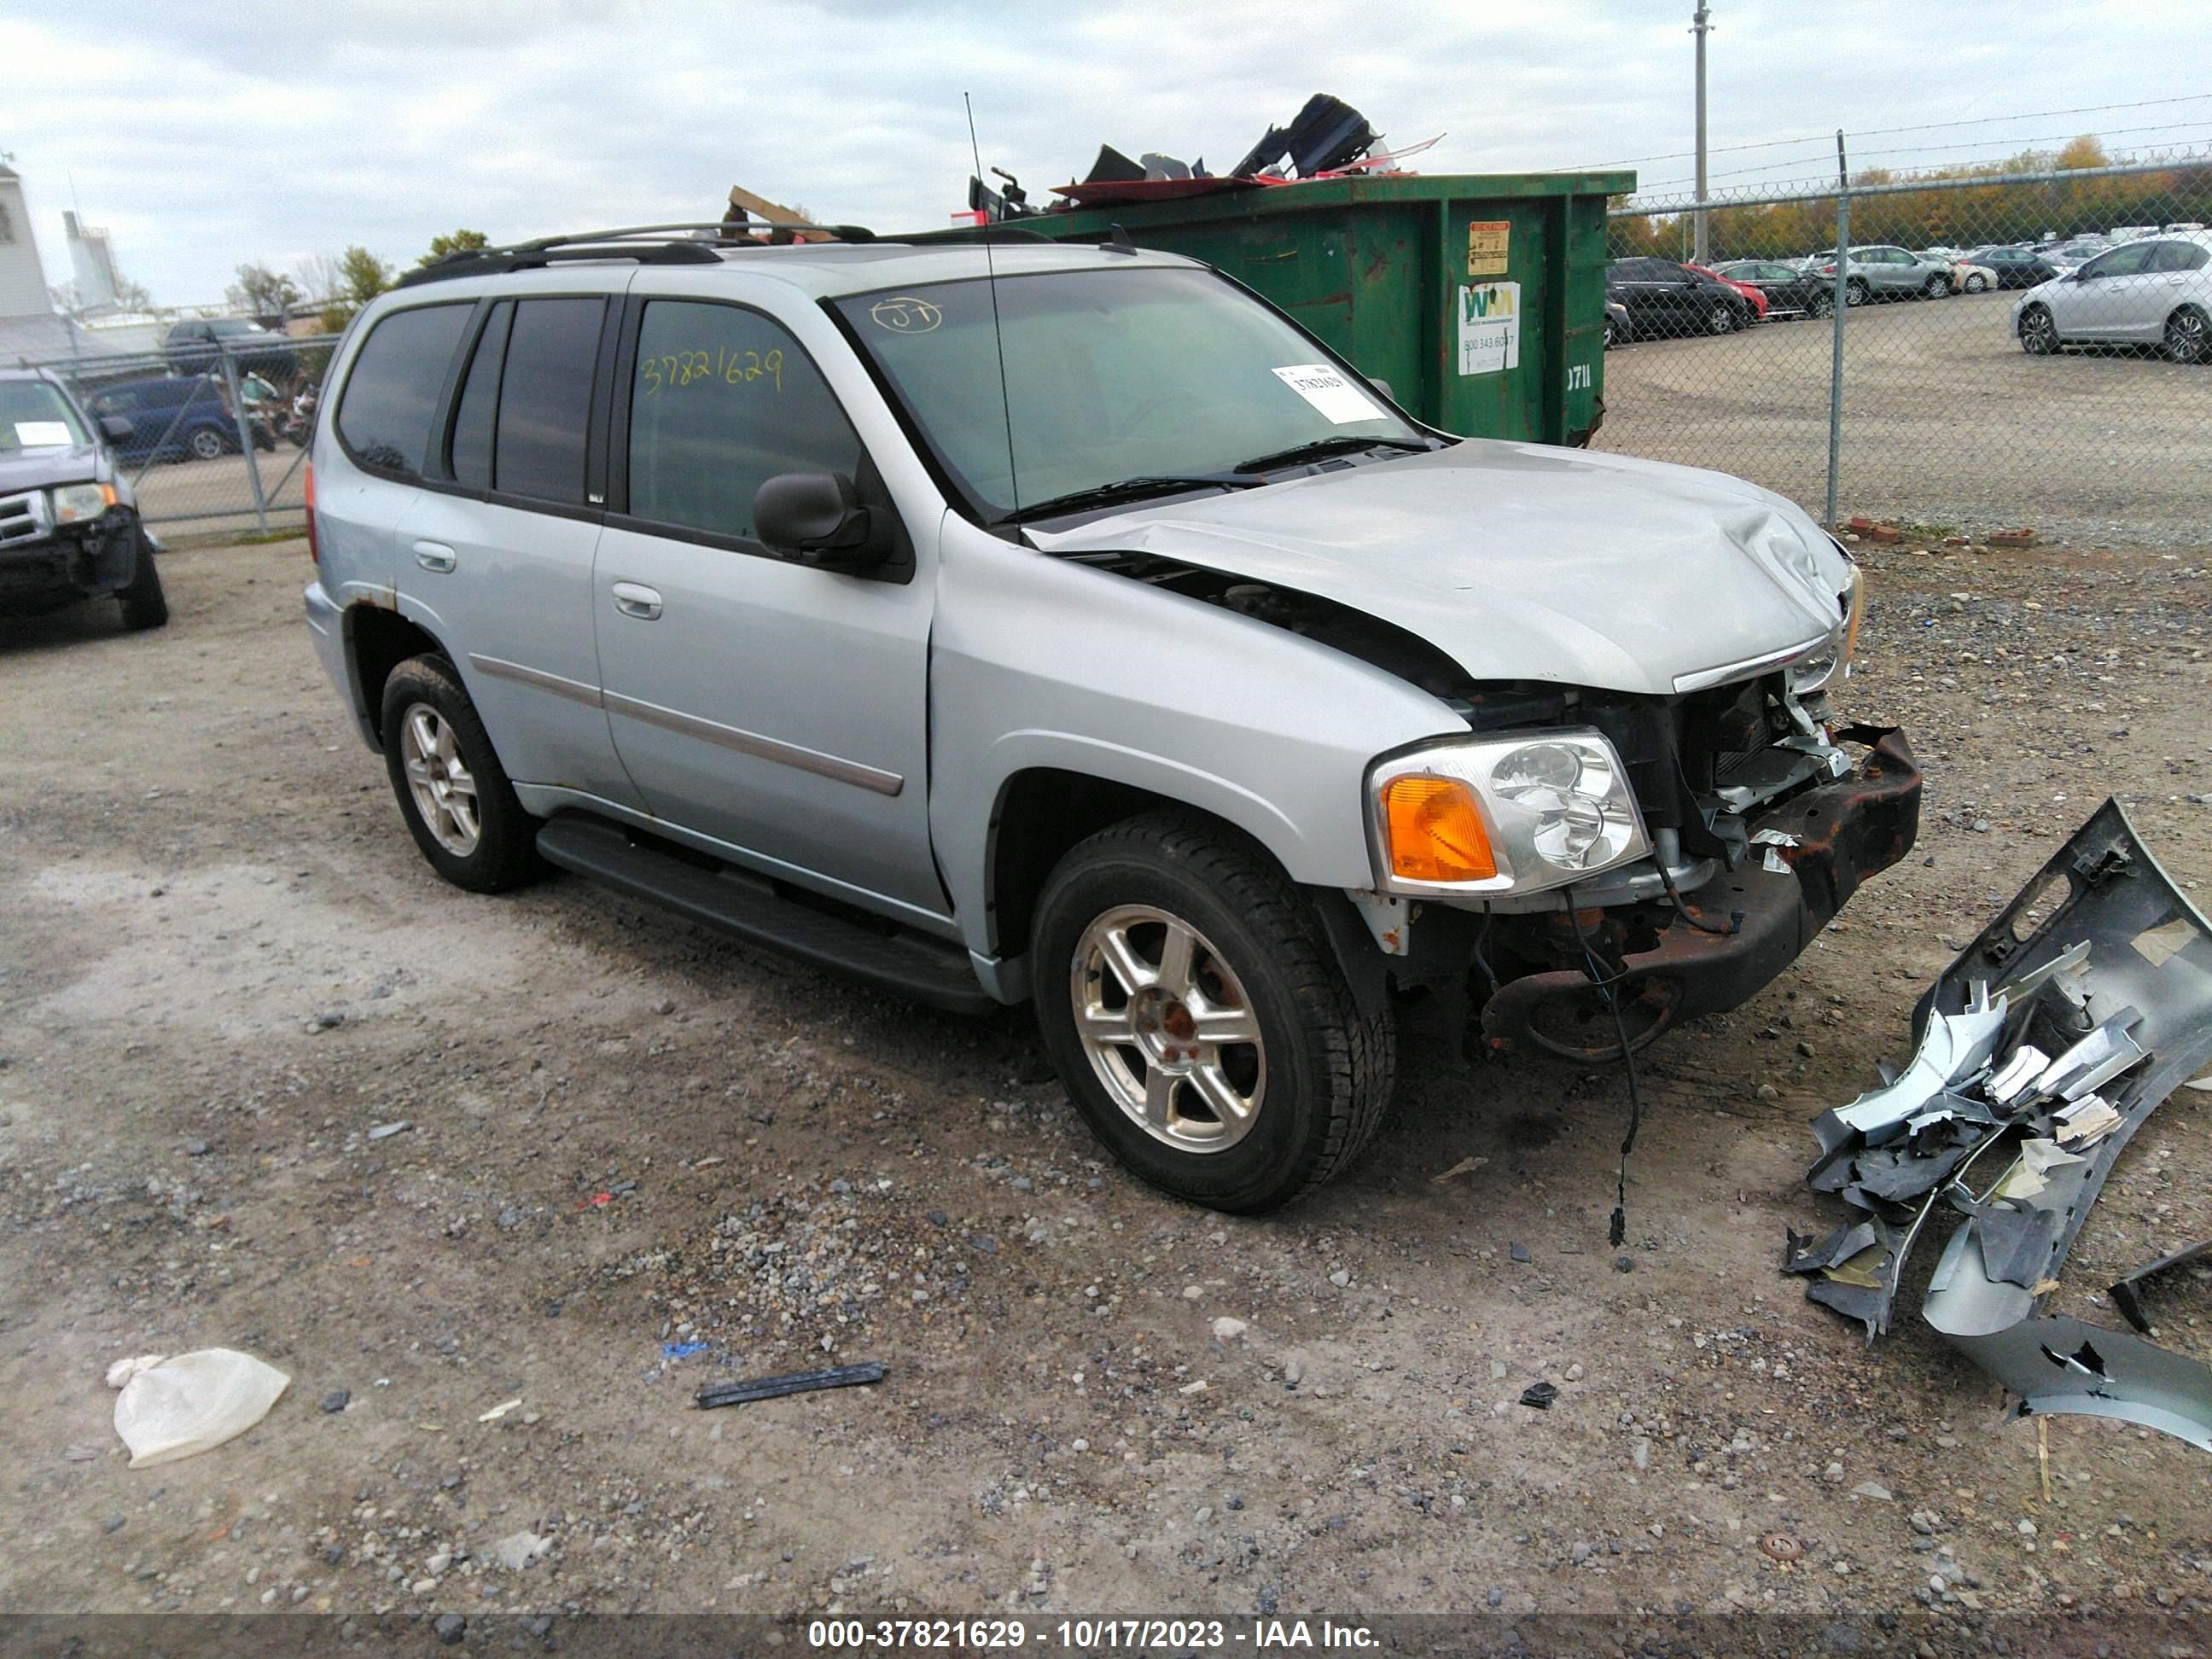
(393, 391)
(545, 400)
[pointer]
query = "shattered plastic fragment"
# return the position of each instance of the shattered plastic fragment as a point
(2120, 1018)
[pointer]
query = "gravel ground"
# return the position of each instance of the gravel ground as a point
(1945, 422)
(268, 1084)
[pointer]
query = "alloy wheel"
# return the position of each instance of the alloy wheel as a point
(1168, 1029)
(444, 788)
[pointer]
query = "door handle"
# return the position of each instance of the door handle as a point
(434, 555)
(636, 600)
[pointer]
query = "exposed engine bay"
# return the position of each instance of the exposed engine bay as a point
(1763, 818)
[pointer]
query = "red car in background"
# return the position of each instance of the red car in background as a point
(1758, 299)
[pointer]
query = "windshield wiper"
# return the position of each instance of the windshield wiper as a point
(1129, 490)
(1343, 443)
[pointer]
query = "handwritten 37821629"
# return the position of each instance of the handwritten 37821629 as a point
(676, 369)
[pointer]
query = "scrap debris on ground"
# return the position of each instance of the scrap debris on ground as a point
(2101, 1008)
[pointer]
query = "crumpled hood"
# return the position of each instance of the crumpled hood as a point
(39, 469)
(1522, 560)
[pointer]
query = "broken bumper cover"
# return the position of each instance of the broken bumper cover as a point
(2113, 992)
(1844, 831)
(73, 562)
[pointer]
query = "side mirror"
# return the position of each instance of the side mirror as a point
(817, 517)
(117, 426)
(1383, 386)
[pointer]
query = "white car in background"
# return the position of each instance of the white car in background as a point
(1967, 277)
(2154, 291)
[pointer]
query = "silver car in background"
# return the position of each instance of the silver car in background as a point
(1882, 271)
(2156, 291)
(1067, 626)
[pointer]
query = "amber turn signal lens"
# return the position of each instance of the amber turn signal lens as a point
(1436, 831)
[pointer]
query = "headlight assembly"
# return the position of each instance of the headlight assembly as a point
(1521, 813)
(76, 503)
(1834, 662)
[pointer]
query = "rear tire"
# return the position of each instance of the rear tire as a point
(1977, 284)
(1819, 305)
(453, 791)
(2188, 336)
(1936, 288)
(144, 604)
(1292, 1089)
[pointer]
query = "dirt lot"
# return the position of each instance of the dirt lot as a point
(1945, 422)
(205, 498)
(226, 969)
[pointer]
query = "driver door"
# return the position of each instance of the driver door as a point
(2102, 301)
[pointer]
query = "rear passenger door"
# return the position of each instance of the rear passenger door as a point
(381, 427)
(499, 546)
(779, 707)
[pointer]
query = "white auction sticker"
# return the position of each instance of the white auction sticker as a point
(1329, 392)
(1489, 327)
(41, 435)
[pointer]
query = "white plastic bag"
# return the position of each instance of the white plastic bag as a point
(192, 1401)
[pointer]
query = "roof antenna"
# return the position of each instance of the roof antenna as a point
(998, 331)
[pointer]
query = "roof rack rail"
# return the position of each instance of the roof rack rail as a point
(992, 232)
(660, 245)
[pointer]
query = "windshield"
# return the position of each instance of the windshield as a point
(1112, 376)
(34, 416)
(228, 328)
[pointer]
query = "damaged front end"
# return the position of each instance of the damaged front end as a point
(2043, 1049)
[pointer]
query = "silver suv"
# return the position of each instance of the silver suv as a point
(1881, 271)
(1067, 625)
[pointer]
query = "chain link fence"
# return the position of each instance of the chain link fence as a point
(217, 434)
(2027, 349)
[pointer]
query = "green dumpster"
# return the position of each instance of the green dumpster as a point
(1479, 297)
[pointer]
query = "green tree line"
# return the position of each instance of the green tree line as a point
(1993, 208)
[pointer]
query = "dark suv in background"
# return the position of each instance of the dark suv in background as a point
(1663, 297)
(190, 347)
(68, 525)
(170, 418)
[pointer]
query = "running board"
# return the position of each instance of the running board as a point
(922, 970)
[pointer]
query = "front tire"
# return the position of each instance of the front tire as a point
(1977, 284)
(2188, 337)
(1721, 319)
(206, 444)
(1857, 293)
(1936, 288)
(452, 791)
(2039, 334)
(1199, 1019)
(144, 604)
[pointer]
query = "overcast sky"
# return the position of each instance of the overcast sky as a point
(202, 137)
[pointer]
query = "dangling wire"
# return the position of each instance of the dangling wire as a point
(1607, 986)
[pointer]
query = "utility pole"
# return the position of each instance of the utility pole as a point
(1700, 28)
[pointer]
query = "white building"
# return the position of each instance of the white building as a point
(92, 263)
(22, 278)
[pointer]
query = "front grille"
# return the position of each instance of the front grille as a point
(22, 518)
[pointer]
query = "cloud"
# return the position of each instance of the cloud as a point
(205, 136)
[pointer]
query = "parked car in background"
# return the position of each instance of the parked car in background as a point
(2064, 257)
(1881, 271)
(2154, 291)
(2016, 266)
(192, 347)
(1788, 292)
(68, 526)
(170, 418)
(1663, 297)
(1616, 323)
(1751, 294)
(1967, 277)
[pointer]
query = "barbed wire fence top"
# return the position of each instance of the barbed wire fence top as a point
(2024, 349)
